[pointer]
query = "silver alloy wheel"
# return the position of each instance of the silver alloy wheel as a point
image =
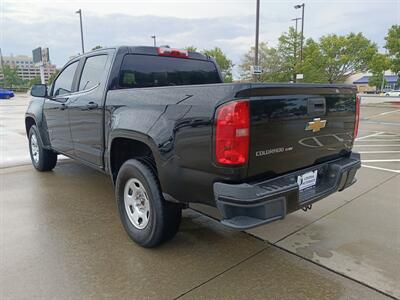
(35, 148)
(137, 204)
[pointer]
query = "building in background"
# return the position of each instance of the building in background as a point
(392, 83)
(25, 67)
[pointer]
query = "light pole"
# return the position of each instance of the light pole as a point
(302, 28)
(257, 35)
(295, 48)
(80, 19)
(154, 40)
(1, 62)
(383, 75)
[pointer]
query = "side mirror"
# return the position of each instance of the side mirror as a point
(39, 90)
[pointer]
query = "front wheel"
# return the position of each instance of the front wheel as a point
(42, 159)
(148, 219)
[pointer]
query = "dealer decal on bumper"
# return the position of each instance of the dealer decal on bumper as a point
(307, 180)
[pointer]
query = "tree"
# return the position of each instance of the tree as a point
(270, 61)
(97, 47)
(393, 47)
(191, 48)
(378, 65)
(35, 80)
(11, 77)
(339, 57)
(52, 77)
(223, 62)
(289, 51)
(313, 66)
(279, 64)
(333, 59)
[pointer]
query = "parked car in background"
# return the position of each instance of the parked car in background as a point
(370, 92)
(6, 94)
(393, 93)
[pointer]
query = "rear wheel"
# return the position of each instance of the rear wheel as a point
(42, 159)
(147, 218)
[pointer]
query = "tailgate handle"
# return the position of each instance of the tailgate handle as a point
(316, 106)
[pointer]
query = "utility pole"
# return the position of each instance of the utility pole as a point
(383, 81)
(302, 28)
(1, 64)
(295, 49)
(257, 35)
(154, 40)
(79, 11)
(1, 60)
(383, 76)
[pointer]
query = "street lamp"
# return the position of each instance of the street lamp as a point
(80, 19)
(295, 43)
(257, 35)
(154, 40)
(295, 48)
(302, 28)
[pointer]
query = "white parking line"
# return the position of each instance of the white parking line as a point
(398, 145)
(389, 135)
(379, 140)
(380, 160)
(376, 152)
(367, 136)
(381, 114)
(388, 112)
(382, 169)
(375, 131)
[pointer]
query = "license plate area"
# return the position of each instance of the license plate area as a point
(307, 180)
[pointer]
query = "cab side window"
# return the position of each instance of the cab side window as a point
(63, 83)
(93, 72)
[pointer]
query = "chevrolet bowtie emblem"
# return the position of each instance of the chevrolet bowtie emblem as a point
(316, 125)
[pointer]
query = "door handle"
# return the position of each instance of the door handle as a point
(92, 105)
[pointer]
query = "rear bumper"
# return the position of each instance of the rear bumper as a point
(248, 205)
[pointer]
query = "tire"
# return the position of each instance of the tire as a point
(139, 196)
(42, 159)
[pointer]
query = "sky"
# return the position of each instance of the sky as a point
(228, 24)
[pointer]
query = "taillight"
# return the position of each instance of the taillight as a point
(164, 51)
(357, 120)
(232, 133)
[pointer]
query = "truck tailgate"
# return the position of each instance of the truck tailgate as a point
(297, 127)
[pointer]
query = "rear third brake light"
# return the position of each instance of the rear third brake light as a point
(165, 51)
(357, 120)
(232, 133)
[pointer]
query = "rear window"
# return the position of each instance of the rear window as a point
(139, 71)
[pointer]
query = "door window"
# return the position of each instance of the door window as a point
(92, 72)
(63, 84)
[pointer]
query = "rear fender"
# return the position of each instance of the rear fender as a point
(132, 135)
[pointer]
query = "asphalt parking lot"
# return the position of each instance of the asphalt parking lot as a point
(60, 235)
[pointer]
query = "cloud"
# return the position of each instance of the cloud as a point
(228, 24)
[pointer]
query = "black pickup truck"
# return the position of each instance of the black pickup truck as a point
(166, 129)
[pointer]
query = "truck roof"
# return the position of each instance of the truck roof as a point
(146, 50)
